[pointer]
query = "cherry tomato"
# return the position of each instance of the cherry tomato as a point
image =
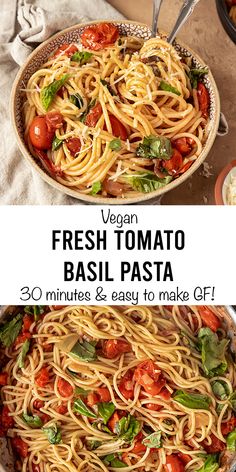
(216, 445)
(228, 426)
(173, 464)
(126, 386)
(93, 115)
(149, 377)
(115, 189)
(165, 394)
(112, 347)
(35, 468)
(21, 338)
(20, 447)
(184, 314)
(3, 378)
(99, 36)
(203, 99)
(67, 49)
(182, 145)
(42, 378)
(117, 415)
(7, 420)
(74, 146)
(44, 417)
(104, 394)
(62, 409)
(38, 404)
(64, 388)
(139, 448)
(153, 406)
(118, 129)
(54, 120)
(27, 322)
(40, 136)
(185, 458)
(92, 399)
(174, 164)
(51, 168)
(58, 307)
(185, 167)
(209, 318)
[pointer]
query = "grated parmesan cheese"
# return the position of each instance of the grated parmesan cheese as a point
(118, 172)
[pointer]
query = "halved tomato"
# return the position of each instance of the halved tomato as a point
(99, 36)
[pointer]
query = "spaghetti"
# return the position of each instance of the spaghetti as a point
(99, 388)
(116, 116)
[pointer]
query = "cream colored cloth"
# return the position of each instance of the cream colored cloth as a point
(23, 25)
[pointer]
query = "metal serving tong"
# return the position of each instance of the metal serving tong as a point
(185, 12)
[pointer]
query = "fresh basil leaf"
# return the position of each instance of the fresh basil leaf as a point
(96, 187)
(77, 100)
(155, 147)
(80, 407)
(56, 143)
(81, 56)
(168, 88)
(10, 330)
(81, 391)
(36, 310)
(127, 428)
(106, 410)
(23, 353)
(107, 459)
(109, 87)
(34, 421)
(187, 340)
(53, 433)
(213, 352)
(115, 144)
(232, 401)
(48, 93)
(93, 444)
(210, 465)
(113, 461)
(89, 107)
(195, 401)
(195, 75)
(147, 182)
(84, 350)
(153, 440)
(220, 389)
(231, 441)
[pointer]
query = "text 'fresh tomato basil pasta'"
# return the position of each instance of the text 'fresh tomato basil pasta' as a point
(116, 116)
(149, 389)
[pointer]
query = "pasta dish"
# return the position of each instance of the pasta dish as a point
(116, 116)
(100, 388)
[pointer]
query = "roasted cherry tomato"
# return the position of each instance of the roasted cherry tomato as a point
(99, 36)
(36, 468)
(216, 445)
(113, 347)
(27, 322)
(64, 388)
(58, 307)
(185, 458)
(203, 99)
(38, 404)
(118, 129)
(173, 464)
(54, 120)
(165, 394)
(139, 447)
(116, 189)
(74, 146)
(126, 385)
(40, 136)
(67, 49)
(42, 378)
(153, 406)
(93, 115)
(174, 164)
(209, 318)
(182, 145)
(20, 446)
(3, 378)
(7, 420)
(47, 163)
(117, 415)
(21, 338)
(62, 409)
(92, 399)
(228, 426)
(149, 377)
(185, 167)
(104, 394)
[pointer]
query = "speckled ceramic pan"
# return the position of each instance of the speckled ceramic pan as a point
(6, 454)
(36, 60)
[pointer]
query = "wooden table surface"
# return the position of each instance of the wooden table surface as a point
(204, 34)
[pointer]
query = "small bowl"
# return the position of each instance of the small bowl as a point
(222, 183)
(72, 34)
(225, 19)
